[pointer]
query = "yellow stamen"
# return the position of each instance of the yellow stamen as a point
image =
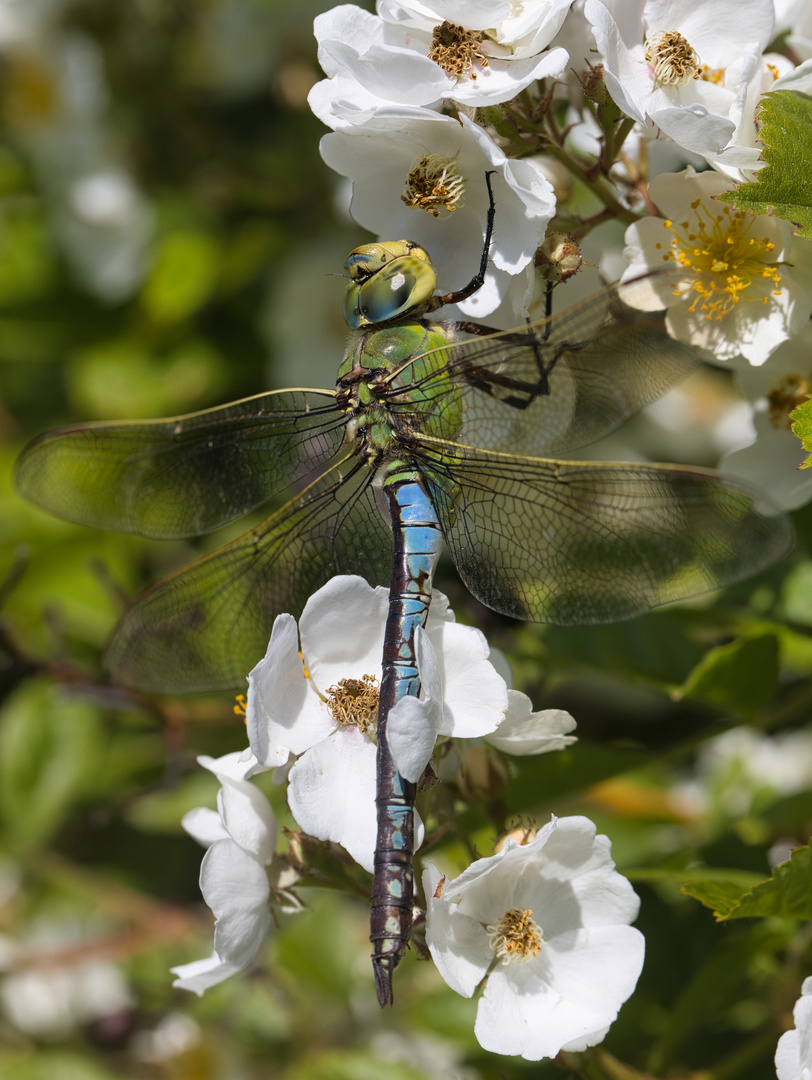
(515, 936)
(712, 75)
(673, 60)
(239, 706)
(456, 50)
(354, 701)
(434, 184)
(723, 261)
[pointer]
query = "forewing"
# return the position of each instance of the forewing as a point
(184, 476)
(573, 543)
(586, 372)
(207, 626)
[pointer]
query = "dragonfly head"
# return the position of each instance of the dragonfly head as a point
(387, 282)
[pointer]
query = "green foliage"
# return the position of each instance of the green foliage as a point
(782, 187)
(741, 677)
(802, 428)
(787, 893)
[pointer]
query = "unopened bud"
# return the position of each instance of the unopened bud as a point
(558, 258)
(519, 834)
(594, 87)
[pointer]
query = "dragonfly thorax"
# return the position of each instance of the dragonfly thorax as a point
(379, 385)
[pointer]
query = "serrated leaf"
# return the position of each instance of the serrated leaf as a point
(802, 429)
(788, 892)
(741, 677)
(783, 186)
(720, 890)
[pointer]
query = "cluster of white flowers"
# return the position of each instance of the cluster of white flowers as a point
(426, 95)
(575, 908)
(423, 98)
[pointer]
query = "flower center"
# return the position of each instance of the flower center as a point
(434, 184)
(792, 391)
(673, 60)
(722, 259)
(456, 50)
(515, 936)
(354, 701)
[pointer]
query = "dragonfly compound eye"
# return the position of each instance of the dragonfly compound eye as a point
(390, 292)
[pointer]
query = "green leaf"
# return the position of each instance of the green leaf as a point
(184, 276)
(51, 753)
(719, 890)
(122, 379)
(787, 893)
(783, 186)
(802, 429)
(733, 894)
(741, 677)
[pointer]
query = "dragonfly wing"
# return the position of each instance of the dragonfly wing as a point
(207, 626)
(575, 543)
(184, 476)
(600, 363)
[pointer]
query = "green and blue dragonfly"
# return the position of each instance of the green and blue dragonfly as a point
(436, 434)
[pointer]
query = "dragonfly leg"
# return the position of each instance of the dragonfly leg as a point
(478, 279)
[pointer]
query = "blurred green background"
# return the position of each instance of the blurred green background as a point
(169, 240)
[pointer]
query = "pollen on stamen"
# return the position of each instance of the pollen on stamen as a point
(435, 185)
(515, 935)
(456, 50)
(354, 702)
(240, 706)
(673, 60)
(721, 260)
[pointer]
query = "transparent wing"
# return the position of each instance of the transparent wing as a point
(573, 543)
(185, 476)
(208, 625)
(558, 384)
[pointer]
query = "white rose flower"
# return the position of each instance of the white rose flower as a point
(480, 52)
(234, 874)
(682, 65)
(315, 695)
(421, 176)
(733, 286)
(547, 923)
(793, 1057)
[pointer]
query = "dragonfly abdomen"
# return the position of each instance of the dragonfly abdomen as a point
(418, 541)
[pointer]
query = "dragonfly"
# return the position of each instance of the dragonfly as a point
(437, 434)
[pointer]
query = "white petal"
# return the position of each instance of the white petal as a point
(474, 694)
(249, 819)
(204, 826)
(458, 943)
(235, 887)
(411, 732)
(238, 765)
(413, 724)
(283, 712)
(619, 42)
(524, 732)
(331, 793)
(342, 630)
(199, 975)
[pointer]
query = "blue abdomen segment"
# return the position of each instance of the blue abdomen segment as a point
(418, 542)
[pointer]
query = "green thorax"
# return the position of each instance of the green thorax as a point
(394, 384)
